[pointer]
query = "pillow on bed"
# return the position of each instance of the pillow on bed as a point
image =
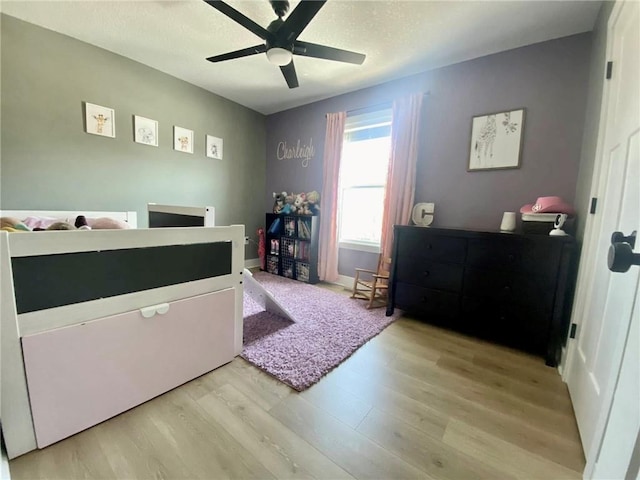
(41, 222)
(104, 223)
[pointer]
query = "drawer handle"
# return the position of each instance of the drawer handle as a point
(507, 288)
(160, 309)
(429, 246)
(426, 273)
(435, 303)
(511, 257)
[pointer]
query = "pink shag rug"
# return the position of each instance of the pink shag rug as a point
(328, 328)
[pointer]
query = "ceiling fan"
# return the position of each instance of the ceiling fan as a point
(281, 37)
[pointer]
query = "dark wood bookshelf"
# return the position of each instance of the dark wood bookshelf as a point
(292, 246)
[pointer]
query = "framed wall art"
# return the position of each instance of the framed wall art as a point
(145, 131)
(496, 140)
(100, 120)
(214, 147)
(182, 139)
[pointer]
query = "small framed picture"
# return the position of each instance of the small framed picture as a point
(496, 140)
(214, 147)
(100, 120)
(145, 131)
(182, 139)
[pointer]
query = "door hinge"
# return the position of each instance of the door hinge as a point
(572, 332)
(594, 204)
(609, 70)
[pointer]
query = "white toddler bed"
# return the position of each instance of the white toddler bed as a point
(96, 322)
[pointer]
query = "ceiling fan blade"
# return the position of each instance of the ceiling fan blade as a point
(238, 17)
(289, 72)
(307, 49)
(245, 52)
(297, 20)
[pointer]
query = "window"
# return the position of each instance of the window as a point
(363, 177)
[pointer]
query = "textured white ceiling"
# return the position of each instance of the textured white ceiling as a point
(398, 37)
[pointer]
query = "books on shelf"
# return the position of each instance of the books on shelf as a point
(304, 228)
(302, 250)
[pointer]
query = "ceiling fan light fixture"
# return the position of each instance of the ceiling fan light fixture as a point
(279, 56)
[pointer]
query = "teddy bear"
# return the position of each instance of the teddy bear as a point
(278, 204)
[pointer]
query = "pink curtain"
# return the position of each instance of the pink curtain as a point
(328, 251)
(401, 177)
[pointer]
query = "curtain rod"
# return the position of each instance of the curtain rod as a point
(378, 105)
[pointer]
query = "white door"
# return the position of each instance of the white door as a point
(606, 303)
(623, 421)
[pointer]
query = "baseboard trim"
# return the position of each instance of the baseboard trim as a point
(251, 263)
(346, 282)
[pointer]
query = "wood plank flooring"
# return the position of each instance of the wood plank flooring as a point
(414, 402)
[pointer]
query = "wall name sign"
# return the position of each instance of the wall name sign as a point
(302, 152)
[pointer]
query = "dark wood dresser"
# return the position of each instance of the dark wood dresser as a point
(509, 288)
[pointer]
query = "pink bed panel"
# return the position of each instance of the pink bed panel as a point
(81, 375)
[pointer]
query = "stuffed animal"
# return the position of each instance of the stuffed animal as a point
(106, 223)
(61, 226)
(261, 247)
(10, 224)
(288, 205)
(305, 210)
(278, 204)
(313, 200)
(81, 223)
(298, 202)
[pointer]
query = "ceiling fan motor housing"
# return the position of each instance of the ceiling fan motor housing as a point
(278, 51)
(281, 37)
(275, 41)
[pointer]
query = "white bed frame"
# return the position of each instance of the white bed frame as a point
(35, 329)
(208, 214)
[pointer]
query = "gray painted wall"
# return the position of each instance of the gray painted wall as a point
(49, 162)
(548, 79)
(592, 118)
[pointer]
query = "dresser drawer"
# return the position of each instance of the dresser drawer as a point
(510, 324)
(426, 301)
(441, 276)
(510, 287)
(421, 243)
(514, 254)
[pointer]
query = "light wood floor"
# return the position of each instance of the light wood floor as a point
(414, 402)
